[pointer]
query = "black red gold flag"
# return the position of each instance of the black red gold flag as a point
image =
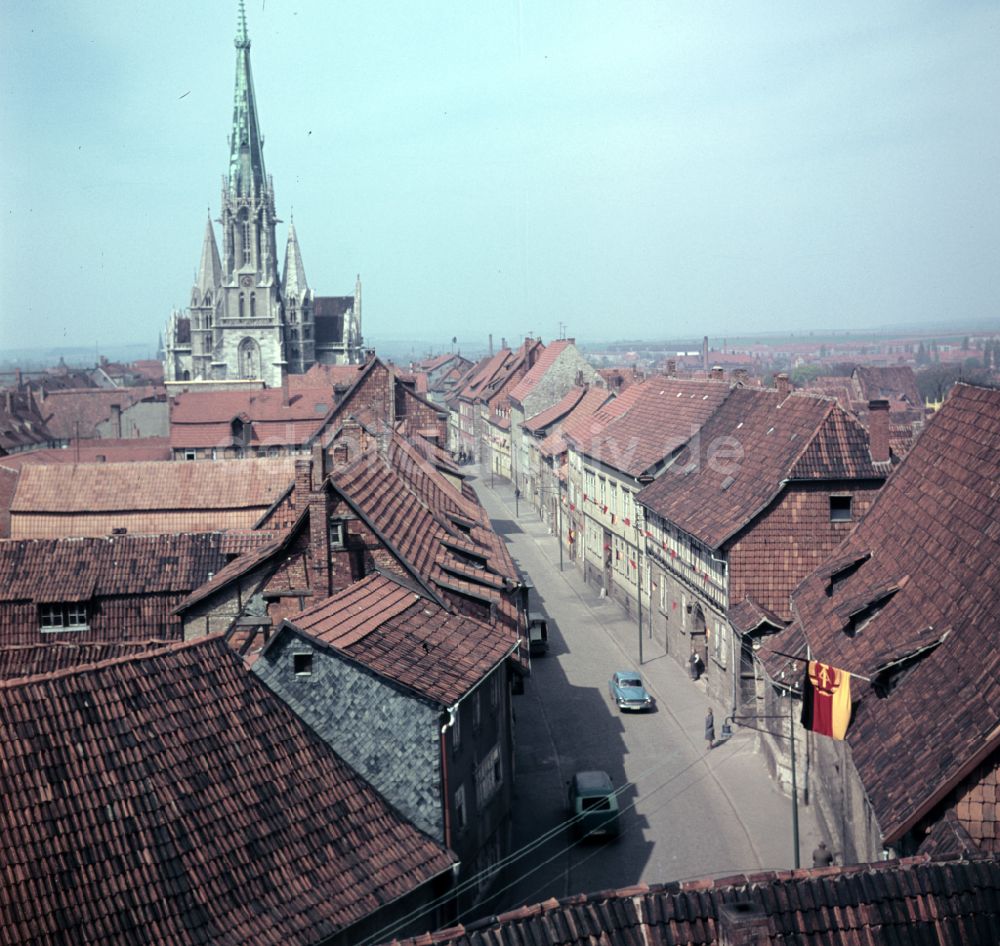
(826, 699)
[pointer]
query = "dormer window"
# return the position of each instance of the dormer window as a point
(337, 533)
(63, 616)
(840, 508)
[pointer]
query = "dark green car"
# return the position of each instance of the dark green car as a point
(593, 805)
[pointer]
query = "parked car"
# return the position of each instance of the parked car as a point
(627, 691)
(593, 805)
(538, 633)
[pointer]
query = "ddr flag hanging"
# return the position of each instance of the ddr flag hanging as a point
(826, 699)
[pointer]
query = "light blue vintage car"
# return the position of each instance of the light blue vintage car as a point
(628, 693)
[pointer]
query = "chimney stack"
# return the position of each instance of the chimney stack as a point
(491, 344)
(671, 367)
(284, 386)
(704, 353)
(717, 374)
(878, 430)
(783, 385)
(743, 923)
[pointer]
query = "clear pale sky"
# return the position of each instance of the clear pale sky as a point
(630, 169)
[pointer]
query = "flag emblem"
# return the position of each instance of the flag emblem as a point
(826, 699)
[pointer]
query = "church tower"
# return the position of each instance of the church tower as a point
(248, 335)
(244, 321)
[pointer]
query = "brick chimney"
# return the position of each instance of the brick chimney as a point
(717, 373)
(284, 386)
(320, 566)
(783, 385)
(671, 367)
(704, 353)
(878, 430)
(743, 923)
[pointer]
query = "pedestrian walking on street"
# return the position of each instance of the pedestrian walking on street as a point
(821, 856)
(710, 728)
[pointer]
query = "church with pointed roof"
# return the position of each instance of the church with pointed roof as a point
(245, 322)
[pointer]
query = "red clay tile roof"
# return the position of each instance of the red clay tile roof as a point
(894, 382)
(406, 637)
(546, 359)
(414, 522)
(87, 487)
(204, 418)
(766, 441)
(74, 569)
(557, 411)
(663, 414)
(918, 900)
(76, 413)
(480, 375)
(325, 377)
(30, 660)
(172, 798)
(581, 423)
(90, 451)
(937, 522)
(749, 615)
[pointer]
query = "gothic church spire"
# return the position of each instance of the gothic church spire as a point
(294, 279)
(246, 145)
(210, 268)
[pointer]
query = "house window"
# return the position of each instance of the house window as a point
(303, 664)
(460, 817)
(840, 508)
(190, 455)
(489, 776)
(336, 534)
(63, 617)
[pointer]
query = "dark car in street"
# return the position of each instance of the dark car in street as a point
(628, 693)
(593, 805)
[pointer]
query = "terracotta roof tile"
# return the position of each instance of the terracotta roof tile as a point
(936, 522)
(71, 414)
(402, 635)
(755, 442)
(127, 487)
(917, 900)
(663, 414)
(174, 794)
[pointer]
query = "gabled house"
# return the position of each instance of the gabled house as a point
(442, 374)
(558, 369)
(146, 497)
(22, 424)
(113, 413)
(416, 699)
(224, 425)
(110, 589)
(908, 604)
(646, 428)
(171, 797)
(765, 491)
(391, 511)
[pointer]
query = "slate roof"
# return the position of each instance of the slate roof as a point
(768, 440)
(172, 798)
(663, 415)
(913, 901)
(113, 487)
(546, 359)
(402, 635)
(204, 418)
(933, 533)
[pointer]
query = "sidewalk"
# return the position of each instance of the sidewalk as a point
(740, 773)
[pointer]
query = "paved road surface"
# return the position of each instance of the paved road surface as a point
(687, 812)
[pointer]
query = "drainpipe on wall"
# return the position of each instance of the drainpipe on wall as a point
(452, 712)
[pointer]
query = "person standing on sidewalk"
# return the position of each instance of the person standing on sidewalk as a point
(710, 728)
